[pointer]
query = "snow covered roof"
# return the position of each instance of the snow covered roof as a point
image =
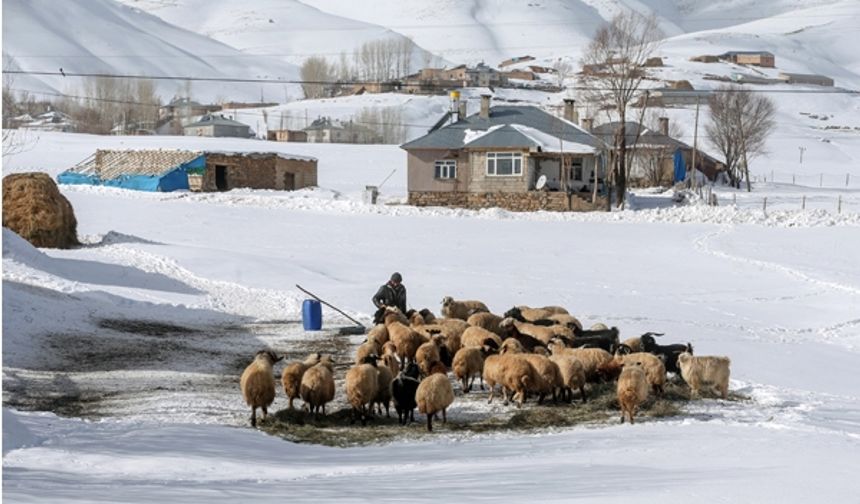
(110, 164)
(530, 122)
(518, 135)
(215, 120)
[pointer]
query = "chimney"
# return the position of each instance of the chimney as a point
(570, 110)
(485, 106)
(587, 124)
(664, 125)
(461, 113)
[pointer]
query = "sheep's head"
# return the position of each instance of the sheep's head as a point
(610, 370)
(648, 342)
(684, 358)
(621, 349)
(514, 312)
(411, 370)
(491, 343)
(555, 345)
(371, 359)
(599, 326)
(313, 358)
(506, 323)
(541, 350)
(379, 315)
(439, 340)
(446, 301)
(511, 346)
(428, 316)
(268, 355)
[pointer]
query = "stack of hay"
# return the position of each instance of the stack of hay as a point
(34, 209)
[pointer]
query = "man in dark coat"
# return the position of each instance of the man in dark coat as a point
(393, 293)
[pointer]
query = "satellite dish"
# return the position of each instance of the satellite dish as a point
(541, 182)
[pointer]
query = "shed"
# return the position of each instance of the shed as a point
(257, 170)
(143, 170)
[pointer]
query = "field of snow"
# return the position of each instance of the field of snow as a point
(97, 332)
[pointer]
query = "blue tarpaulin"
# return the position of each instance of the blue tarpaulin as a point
(680, 168)
(172, 180)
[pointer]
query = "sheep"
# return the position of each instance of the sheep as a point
(415, 318)
(634, 344)
(511, 372)
(404, 338)
(468, 362)
(591, 358)
(258, 383)
(572, 376)
(477, 337)
(427, 354)
(435, 394)
(461, 309)
(511, 346)
(566, 320)
(379, 334)
(549, 374)
(317, 386)
(632, 389)
(555, 310)
(362, 384)
(383, 394)
(511, 328)
(670, 353)
(403, 390)
(429, 317)
(365, 349)
(543, 334)
(652, 365)
(705, 370)
(596, 338)
(291, 377)
(389, 359)
(384, 311)
(486, 320)
(598, 326)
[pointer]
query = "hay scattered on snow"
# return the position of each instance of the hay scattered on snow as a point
(34, 209)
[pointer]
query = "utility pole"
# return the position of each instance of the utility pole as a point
(801, 149)
(695, 142)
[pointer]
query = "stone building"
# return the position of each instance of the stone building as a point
(217, 126)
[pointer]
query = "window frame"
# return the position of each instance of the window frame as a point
(516, 159)
(442, 169)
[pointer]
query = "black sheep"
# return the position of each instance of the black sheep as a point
(599, 338)
(403, 392)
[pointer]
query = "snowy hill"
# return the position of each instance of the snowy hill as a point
(103, 36)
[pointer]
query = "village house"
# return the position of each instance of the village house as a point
(516, 157)
(211, 125)
(814, 79)
(515, 60)
(328, 130)
(286, 135)
(184, 108)
(52, 120)
(165, 170)
(763, 59)
(438, 80)
(656, 159)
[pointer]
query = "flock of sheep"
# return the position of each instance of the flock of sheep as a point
(541, 352)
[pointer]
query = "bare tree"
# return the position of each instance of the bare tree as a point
(315, 73)
(613, 71)
(563, 70)
(739, 125)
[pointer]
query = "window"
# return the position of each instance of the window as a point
(504, 164)
(577, 168)
(446, 169)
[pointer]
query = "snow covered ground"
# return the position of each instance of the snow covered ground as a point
(779, 293)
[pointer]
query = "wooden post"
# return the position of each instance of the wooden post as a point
(803, 203)
(772, 178)
(847, 178)
(792, 179)
(764, 206)
(821, 180)
(695, 141)
(839, 205)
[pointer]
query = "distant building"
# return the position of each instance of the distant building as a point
(217, 126)
(437, 80)
(520, 74)
(816, 80)
(165, 170)
(763, 59)
(184, 107)
(53, 120)
(328, 130)
(515, 60)
(668, 97)
(287, 136)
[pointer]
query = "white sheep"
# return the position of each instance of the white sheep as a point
(702, 371)
(461, 309)
(317, 388)
(632, 390)
(258, 383)
(486, 320)
(362, 385)
(435, 394)
(291, 377)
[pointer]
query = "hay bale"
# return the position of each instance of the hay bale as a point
(34, 209)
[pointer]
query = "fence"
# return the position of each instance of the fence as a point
(828, 180)
(833, 203)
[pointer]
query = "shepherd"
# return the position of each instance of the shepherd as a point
(392, 293)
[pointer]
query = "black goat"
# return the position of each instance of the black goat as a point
(601, 338)
(669, 353)
(403, 390)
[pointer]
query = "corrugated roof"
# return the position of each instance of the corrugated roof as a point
(452, 136)
(110, 164)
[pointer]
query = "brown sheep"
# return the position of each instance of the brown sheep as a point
(317, 387)
(258, 383)
(632, 389)
(591, 358)
(703, 371)
(486, 320)
(511, 372)
(511, 346)
(379, 334)
(655, 370)
(291, 377)
(572, 376)
(550, 376)
(362, 386)
(555, 310)
(477, 337)
(468, 362)
(370, 347)
(389, 359)
(427, 354)
(452, 326)
(566, 320)
(404, 338)
(435, 394)
(461, 309)
(383, 394)
(635, 344)
(542, 334)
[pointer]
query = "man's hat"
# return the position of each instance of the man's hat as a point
(395, 277)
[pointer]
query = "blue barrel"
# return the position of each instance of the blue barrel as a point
(312, 315)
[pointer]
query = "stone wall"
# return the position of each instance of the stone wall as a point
(530, 201)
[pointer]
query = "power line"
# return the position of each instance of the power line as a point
(362, 83)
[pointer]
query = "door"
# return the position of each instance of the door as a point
(221, 177)
(289, 181)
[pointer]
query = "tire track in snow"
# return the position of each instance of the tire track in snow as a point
(702, 245)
